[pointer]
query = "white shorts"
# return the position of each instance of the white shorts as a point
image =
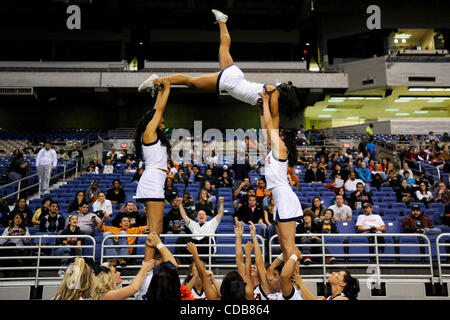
(232, 80)
(287, 206)
(151, 186)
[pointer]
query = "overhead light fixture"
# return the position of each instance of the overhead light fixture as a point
(432, 89)
(355, 98)
(403, 40)
(420, 112)
(336, 100)
(395, 40)
(324, 116)
(307, 44)
(435, 100)
(403, 114)
(402, 100)
(391, 109)
(373, 98)
(402, 36)
(352, 118)
(329, 109)
(417, 89)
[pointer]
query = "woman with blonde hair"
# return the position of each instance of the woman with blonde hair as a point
(107, 278)
(203, 203)
(77, 282)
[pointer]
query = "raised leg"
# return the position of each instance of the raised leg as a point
(286, 234)
(225, 58)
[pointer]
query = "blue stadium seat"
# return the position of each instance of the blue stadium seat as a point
(358, 250)
(345, 226)
(393, 226)
(409, 250)
(335, 249)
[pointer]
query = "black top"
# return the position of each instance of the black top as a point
(225, 184)
(119, 197)
(71, 240)
(310, 176)
(136, 219)
(327, 227)
(26, 214)
(173, 218)
(169, 195)
(362, 197)
(314, 228)
(52, 224)
(241, 170)
(246, 214)
(207, 207)
(403, 192)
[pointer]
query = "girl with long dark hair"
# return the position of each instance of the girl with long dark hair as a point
(231, 79)
(152, 147)
(283, 153)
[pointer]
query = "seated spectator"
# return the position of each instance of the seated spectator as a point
(267, 196)
(91, 194)
(22, 208)
(404, 193)
(113, 154)
(130, 210)
(172, 221)
(328, 224)
(350, 184)
(125, 156)
(181, 177)
(75, 154)
(109, 168)
(87, 221)
(338, 170)
(323, 165)
(18, 169)
(407, 177)
(72, 231)
(377, 181)
(130, 166)
(41, 212)
(392, 180)
(405, 169)
(369, 222)
(225, 181)
(195, 174)
(208, 176)
(204, 204)
(341, 212)
(309, 226)
(124, 229)
(335, 184)
(4, 213)
(95, 166)
(102, 206)
(314, 174)
(29, 148)
(294, 180)
(341, 192)
(417, 222)
(423, 194)
(240, 168)
(317, 208)
(17, 227)
(75, 204)
(170, 192)
(189, 205)
(116, 194)
(252, 212)
(359, 196)
(364, 173)
(53, 222)
(212, 192)
(442, 193)
(269, 213)
(240, 193)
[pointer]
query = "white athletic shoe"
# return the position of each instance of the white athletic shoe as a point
(220, 17)
(148, 85)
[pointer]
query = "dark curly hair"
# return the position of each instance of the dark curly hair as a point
(291, 146)
(351, 289)
(140, 129)
(290, 99)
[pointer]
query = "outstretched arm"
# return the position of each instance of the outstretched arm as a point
(249, 288)
(259, 260)
(288, 271)
(183, 212)
(154, 241)
(277, 145)
(239, 231)
(219, 215)
(211, 293)
(149, 135)
(298, 281)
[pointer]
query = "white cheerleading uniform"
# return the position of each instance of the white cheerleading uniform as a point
(198, 296)
(232, 80)
(339, 295)
(260, 294)
(151, 183)
(287, 205)
(295, 295)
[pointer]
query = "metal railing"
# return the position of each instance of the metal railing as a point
(440, 256)
(40, 247)
(20, 189)
(375, 255)
(210, 257)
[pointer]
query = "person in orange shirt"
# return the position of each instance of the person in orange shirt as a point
(124, 229)
(293, 178)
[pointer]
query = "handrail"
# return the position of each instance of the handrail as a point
(63, 173)
(210, 245)
(439, 255)
(376, 255)
(39, 246)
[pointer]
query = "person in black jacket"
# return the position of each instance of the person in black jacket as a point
(116, 194)
(307, 226)
(251, 212)
(338, 170)
(72, 231)
(22, 208)
(173, 221)
(314, 174)
(4, 213)
(404, 193)
(130, 210)
(359, 196)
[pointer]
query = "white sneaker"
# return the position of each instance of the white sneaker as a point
(61, 273)
(220, 17)
(148, 85)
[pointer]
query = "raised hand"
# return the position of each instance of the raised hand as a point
(221, 200)
(192, 248)
(239, 229)
(248, 248)
(153, 239)
(252, 228)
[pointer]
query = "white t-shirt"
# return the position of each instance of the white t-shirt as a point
(342, 212)
(208, 228)
(368, 221)
(351, 185)
(105, 206)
